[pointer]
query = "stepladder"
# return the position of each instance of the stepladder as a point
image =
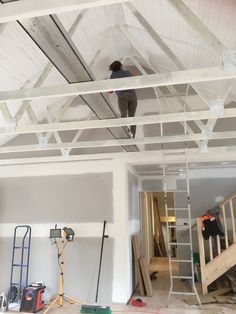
(179, 228)
(20, 264)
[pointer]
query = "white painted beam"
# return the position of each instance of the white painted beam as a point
(155, 36)
(93, 87)
(80, 132)
(46, 71)
(5, 112)
(213, 154)
(198, 26)
(157, 91)
(121, 142)
(159, 41)
(26, 9)
(109, 123)
(60, 114)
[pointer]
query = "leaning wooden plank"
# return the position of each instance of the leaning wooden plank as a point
(135, 241)
(146, 277)
(136, 251)
(220, 291)
(204, 300)
(225, 299)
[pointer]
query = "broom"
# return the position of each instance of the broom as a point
(98, 309)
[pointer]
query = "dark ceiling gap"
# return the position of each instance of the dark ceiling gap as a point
(127, 148)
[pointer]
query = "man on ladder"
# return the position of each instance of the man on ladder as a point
(127, 99)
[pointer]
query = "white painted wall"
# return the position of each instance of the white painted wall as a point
(117, 262)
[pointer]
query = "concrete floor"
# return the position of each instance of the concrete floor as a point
(157, 304)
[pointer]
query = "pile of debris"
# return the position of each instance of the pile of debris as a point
(226, 294)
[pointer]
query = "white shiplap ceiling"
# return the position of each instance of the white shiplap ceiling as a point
(100, 40)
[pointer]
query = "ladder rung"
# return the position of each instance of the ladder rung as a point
(20, 247)
(181, 260)
(181, 152)
(177, 191)
(179, 243)
(15, 284)
(178, 226)
(179, 208)
(179, 292)
(182, 277)
(19, 265)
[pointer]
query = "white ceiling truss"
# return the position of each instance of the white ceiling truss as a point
(172, 105)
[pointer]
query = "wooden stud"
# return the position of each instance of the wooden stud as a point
(225, 227)
(146, 277)
(218, 244)
(210, 248)
(202, 254)
(232, 219)
(136, 251)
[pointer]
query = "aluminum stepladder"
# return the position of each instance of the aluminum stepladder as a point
(20, 261)
(185, 213)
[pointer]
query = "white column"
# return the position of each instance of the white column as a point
(121, 268)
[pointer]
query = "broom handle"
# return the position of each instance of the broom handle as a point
(100, 262)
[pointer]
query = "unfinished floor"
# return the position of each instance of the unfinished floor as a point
(157, 304)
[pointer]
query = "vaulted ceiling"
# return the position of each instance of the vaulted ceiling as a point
(78, 46)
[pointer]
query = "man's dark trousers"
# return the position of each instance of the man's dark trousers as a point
(127, 101)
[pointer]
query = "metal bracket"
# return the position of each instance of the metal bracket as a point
(217, 107)
(204, 147)
(207, 130)
(65, 153)
(43, 142)
(229, 60)
(11, 126)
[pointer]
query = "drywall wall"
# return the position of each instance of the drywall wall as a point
(79, 198)
(81, 267)
(134, 222)
(133, 197)
(151, 185)
(43, 201)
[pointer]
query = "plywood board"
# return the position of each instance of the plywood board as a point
(220, 291)
(145, 276)
(136, 251)
(225, 299)
(204, 300)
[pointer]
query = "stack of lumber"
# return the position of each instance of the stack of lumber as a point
(144, 281)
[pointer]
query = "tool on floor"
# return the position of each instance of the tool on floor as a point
(20, 264)
(32, 298)
(3, 303)
(138, 302)
(60, 241)
(182, 223)
(97, 309)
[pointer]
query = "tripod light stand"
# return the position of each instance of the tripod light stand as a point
(61, 242)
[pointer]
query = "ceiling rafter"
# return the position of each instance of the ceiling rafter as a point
(194, 155)
(160, 42)
(26, 9)
(157, 90)
(26, 105)
(48, 68)
(198, 26)
(180, 138)
(210, 39)
(101, 86)
(109, 123)
(210, 125)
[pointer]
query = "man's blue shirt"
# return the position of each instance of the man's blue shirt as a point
(120, 74)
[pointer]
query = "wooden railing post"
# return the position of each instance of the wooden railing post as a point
(232, 218)
(201, 254)
(225, 227)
